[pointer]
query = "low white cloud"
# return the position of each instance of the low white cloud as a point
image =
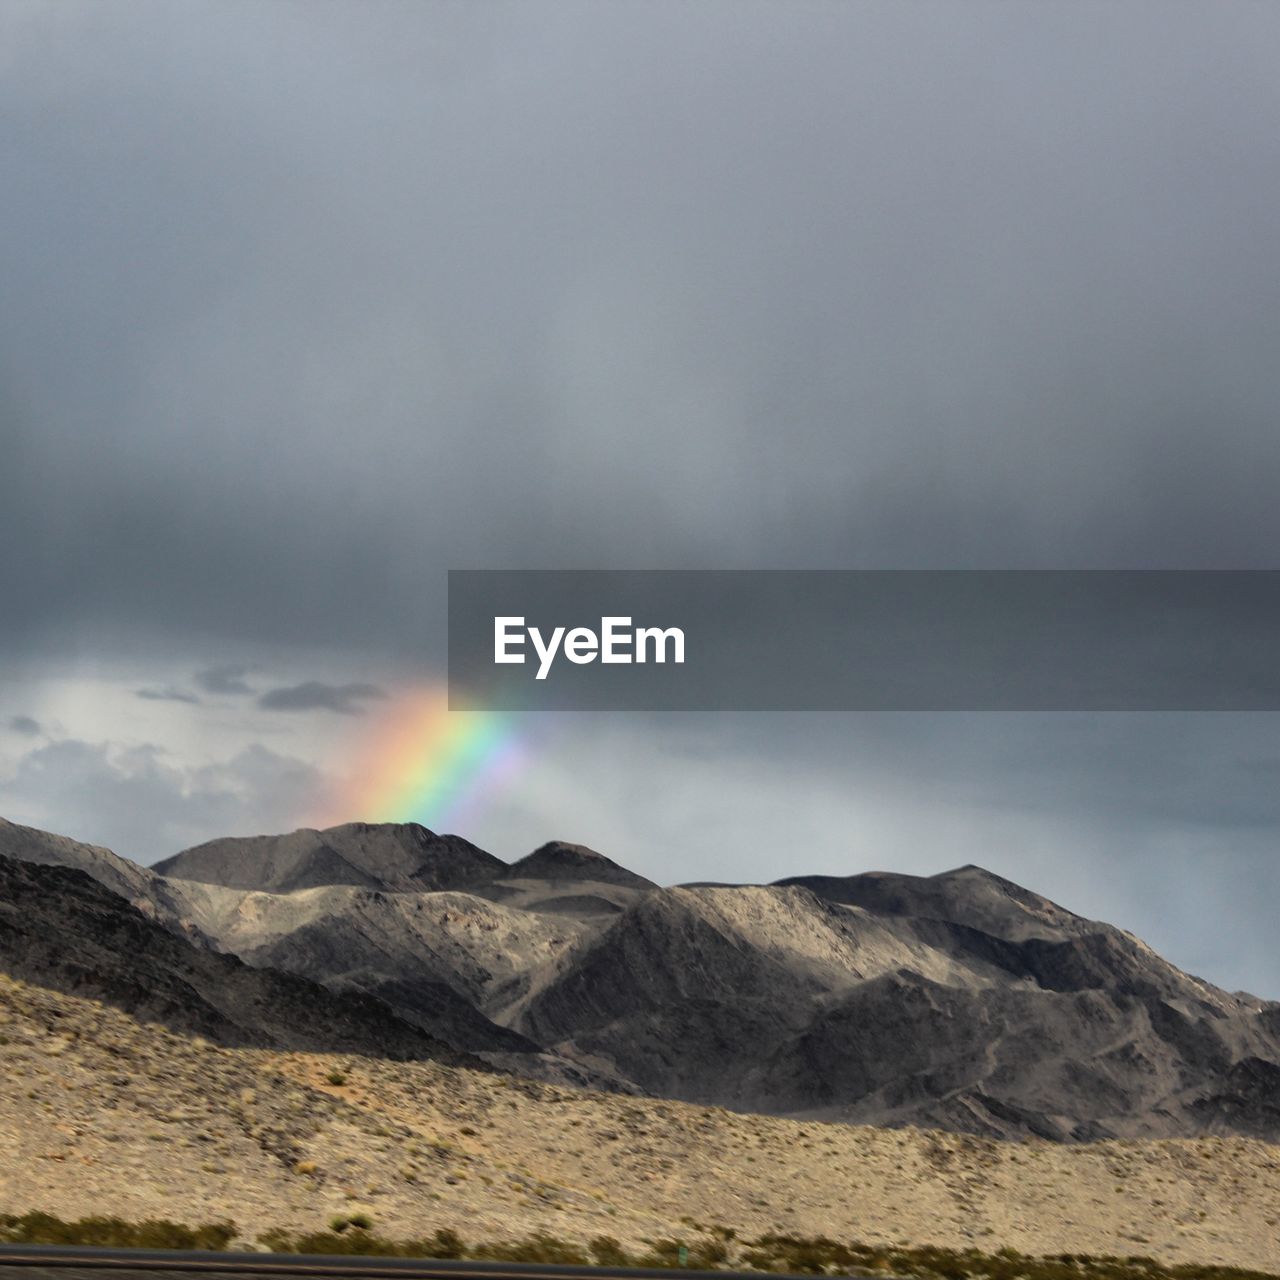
(145, 804)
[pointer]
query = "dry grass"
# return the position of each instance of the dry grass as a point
(100, 1115)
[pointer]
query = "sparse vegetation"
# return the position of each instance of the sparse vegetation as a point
(113, 1233)
(709, 1249)
(357, 1222)
(822, 1256)
(255, 1135)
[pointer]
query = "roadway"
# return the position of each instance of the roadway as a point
(58, 1262)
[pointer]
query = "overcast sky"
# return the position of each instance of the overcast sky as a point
(302, 304)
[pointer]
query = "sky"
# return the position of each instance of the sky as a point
(304, 304)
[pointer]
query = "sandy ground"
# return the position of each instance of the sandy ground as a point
(100, 1114)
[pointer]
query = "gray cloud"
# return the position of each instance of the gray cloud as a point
(167, 694)
(25, 725)
(856, 285)
(306, 304)
(223, 680)
(315, 695)
(145, 804)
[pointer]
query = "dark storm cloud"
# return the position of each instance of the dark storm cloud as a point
(25, 725)
(306, 303)
(223, 680)
(352, 301)
(167, 695)
(314, 695)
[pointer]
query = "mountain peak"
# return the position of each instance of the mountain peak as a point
(969, 895)
(560, 860)
(386, 856)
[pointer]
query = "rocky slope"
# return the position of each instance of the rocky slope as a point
(144, 888)
(100, 1114)
(959, 1000)
(63, 930)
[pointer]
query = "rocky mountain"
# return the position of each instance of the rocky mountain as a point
(390, 856)
(145, 889)
(959, 1000)
(558, 861)
(560, 879)
(380, 910)
(61, 929)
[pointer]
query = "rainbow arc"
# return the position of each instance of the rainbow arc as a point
(424, 763)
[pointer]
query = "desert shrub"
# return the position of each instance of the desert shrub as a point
(348, 1242)
(276, 1240)
(353, 1234)
(357, 1221)
(804, 1256)
(352, 1240)
(536, 1248)
(114, 1233)
(448, 1244)
(607, 1252)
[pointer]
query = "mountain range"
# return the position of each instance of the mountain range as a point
(957, 1001)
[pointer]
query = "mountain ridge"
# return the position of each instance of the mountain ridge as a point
(61, 928)
(387, 856)
(960, 1000)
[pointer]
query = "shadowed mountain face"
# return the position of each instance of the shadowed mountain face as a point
(960, 1000)
(146, 890)
(62, 929)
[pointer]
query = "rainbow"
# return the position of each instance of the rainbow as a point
(424, 763)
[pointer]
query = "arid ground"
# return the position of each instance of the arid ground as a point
(102, 1114)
